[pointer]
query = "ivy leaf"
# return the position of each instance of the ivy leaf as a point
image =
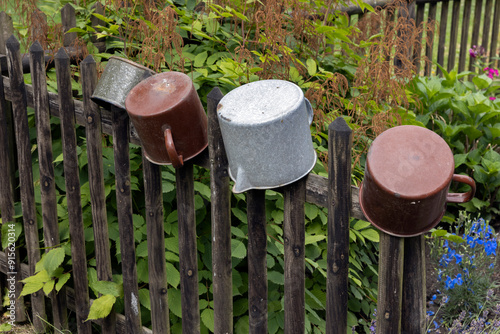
(276, 277)
(203, 189)
(238, 249)
(311, 211)
(207, 316)
(144, 298)
(101, 307)
(108, 288)
(174, 302)
(53, 259)
(371, 235)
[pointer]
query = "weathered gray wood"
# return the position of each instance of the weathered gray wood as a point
(495, 32)
(156, 247)
(443, 24)
(488, 13)
(431, 20)
(99, 43)
(453, 35)
(68, 20)
(390, 284)
(7, 160)
(414, 295)
(23, 144)
(121, 139)
(47, 178)
(96, 182)
(6, 29)
(72, 181)
(294, 242)
(257, 261)
(339, 197)
(39, 27)
(464, 42)
(478, 17)
(221, 220)
(417, 50)
(70, 296)
(188, 255)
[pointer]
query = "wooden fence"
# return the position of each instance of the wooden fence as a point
(401, 260)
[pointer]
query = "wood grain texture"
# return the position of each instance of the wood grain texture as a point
(443, 24)
(429, 43)
(73, 195)
(68, 21)
(47, 178)
(464, 42)
(339, 197)
(96, 182)
(453, 35)
(221, 220)
(294, 242)
(25, 173)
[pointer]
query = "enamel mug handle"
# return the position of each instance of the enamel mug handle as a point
(310, 110)
(462, 197)
(176, 159)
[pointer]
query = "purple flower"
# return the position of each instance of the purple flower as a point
(477, 51)
(492, 98)
(491, 72)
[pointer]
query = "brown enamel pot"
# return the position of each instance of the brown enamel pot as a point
(409, 170)
(169, 118)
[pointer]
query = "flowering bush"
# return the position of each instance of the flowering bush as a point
(465, 265)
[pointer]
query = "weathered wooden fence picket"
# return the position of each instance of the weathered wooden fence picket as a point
(401, 260)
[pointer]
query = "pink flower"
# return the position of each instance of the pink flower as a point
(477, 51)
(491, 72)
(492, 98)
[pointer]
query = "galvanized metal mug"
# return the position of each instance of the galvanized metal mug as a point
(265, 128)
(169, 118)
(119, 77)
(409, 170)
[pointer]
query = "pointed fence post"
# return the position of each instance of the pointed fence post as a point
(72, 182)
(93, 132)
(221, 220)
(47, 178)
(339, 207)
(19, 104)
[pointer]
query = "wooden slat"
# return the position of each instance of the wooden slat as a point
(478, 17)
(495, 31)
(339, 197)
(464, 43)
(488, 13)
(429, 43)
(417, 50)
(125, 222)
(72, 181)
(294, 239)
(47, 178)
(156, 247)
(257, 261)
(121, 325)
(7, 160)
(390, 284)
(96, 182)
(453, 35)
(443, 24)
(68, 20)
(413, 315)
(6, 29)
(39, 27)
(25, 173)
(221, 220)
(188, 255)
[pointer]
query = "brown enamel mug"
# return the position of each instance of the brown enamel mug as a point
(409, 170)
(168, 116)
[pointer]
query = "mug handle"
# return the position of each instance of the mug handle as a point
(176, 159)
(462, 197)
(310, 110)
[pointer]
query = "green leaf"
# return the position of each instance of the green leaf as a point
(49, 286)
(241, 326)
(276, 277)
(460, 159)
(6, 327)
(203, 189)
(238, 249)
(207, 316)
(144, 298)
(174, 302)
(40, 277)
(371, 234)
(101, 307)
(173, 275)
(311, 211)
(482, 81)
(53, 259)
(9, 230)
(32, 287)
(240, 215)
(311, 67)
(108, 288)
(62, 280)
(361, 224)
(313, 239)
(200, 58)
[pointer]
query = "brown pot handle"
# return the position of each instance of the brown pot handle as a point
(176, 159)
(462, 197)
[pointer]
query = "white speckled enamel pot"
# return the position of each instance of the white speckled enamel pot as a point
(265, 126)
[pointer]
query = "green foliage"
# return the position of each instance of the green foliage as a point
(461, 111)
